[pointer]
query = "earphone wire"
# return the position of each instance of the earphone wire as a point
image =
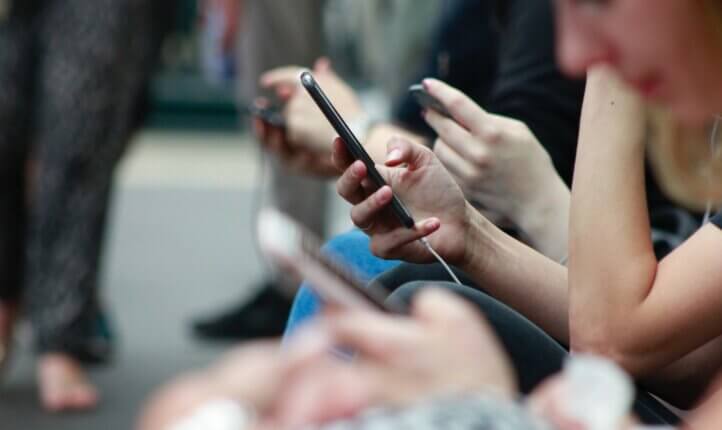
(436, 255)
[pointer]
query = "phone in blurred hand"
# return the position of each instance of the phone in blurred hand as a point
(427, 101)
(294, 250)
(271, 114)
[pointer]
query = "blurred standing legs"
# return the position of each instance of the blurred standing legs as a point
(71, 75)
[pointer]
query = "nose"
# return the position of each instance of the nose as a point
(579, 47)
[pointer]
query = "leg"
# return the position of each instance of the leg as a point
(534, 354)
(89, 83)
(351, 248)
(16, 65)
(409, 272)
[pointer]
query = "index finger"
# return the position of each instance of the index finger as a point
(464, 110)
(340, 155)
(372, 334)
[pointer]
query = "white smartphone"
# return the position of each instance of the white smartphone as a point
(293, 248)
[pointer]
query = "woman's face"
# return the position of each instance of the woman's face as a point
(669, 50)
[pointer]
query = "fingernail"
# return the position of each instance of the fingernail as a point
(426, 83)
(432, 224)
(385, 194)
(394, 155)
(358, 168)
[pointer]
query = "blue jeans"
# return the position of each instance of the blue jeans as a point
(351, 248)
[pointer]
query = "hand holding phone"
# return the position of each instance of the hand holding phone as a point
(427, 101)
(295, 249)
(270, 114)
(352, 143)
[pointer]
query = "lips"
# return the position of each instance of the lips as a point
(649, 87)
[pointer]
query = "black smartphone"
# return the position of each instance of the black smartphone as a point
(296, 250)
(270, 114)
(352, 143)
(427, 101)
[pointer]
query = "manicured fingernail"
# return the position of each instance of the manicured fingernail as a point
(432, 224)
(394, 155)
(426, 83)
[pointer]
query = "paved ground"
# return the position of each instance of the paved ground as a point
(179, 245)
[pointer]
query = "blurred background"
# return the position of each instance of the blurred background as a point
(179, 227)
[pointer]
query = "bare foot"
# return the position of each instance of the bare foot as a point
(63, 384)
(8, 314)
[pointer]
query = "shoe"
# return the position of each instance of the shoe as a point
(263, 316)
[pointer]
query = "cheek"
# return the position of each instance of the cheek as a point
(694, 103)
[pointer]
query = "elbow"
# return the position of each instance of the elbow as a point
(606, 342)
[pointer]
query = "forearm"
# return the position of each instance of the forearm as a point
(517, 275)
(643, 314)
(611, 260)
(685, 381)
(544, 222)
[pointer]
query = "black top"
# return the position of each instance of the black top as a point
(717, 220)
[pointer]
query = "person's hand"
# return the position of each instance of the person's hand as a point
(444, 348)
(496, 160)
(400, 361)
(501, 167)
(296, 158)
(307, 133)
(427, 190)
(302, 386)
(251, 374)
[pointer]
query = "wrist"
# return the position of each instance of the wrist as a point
(478, 237)
(544, 219)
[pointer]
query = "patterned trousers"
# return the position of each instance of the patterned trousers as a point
(72, 73)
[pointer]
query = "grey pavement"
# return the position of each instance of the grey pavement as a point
(175, 250)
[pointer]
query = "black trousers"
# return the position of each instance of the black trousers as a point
(534, 354)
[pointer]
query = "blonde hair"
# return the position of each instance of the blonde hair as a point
(686, 161)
